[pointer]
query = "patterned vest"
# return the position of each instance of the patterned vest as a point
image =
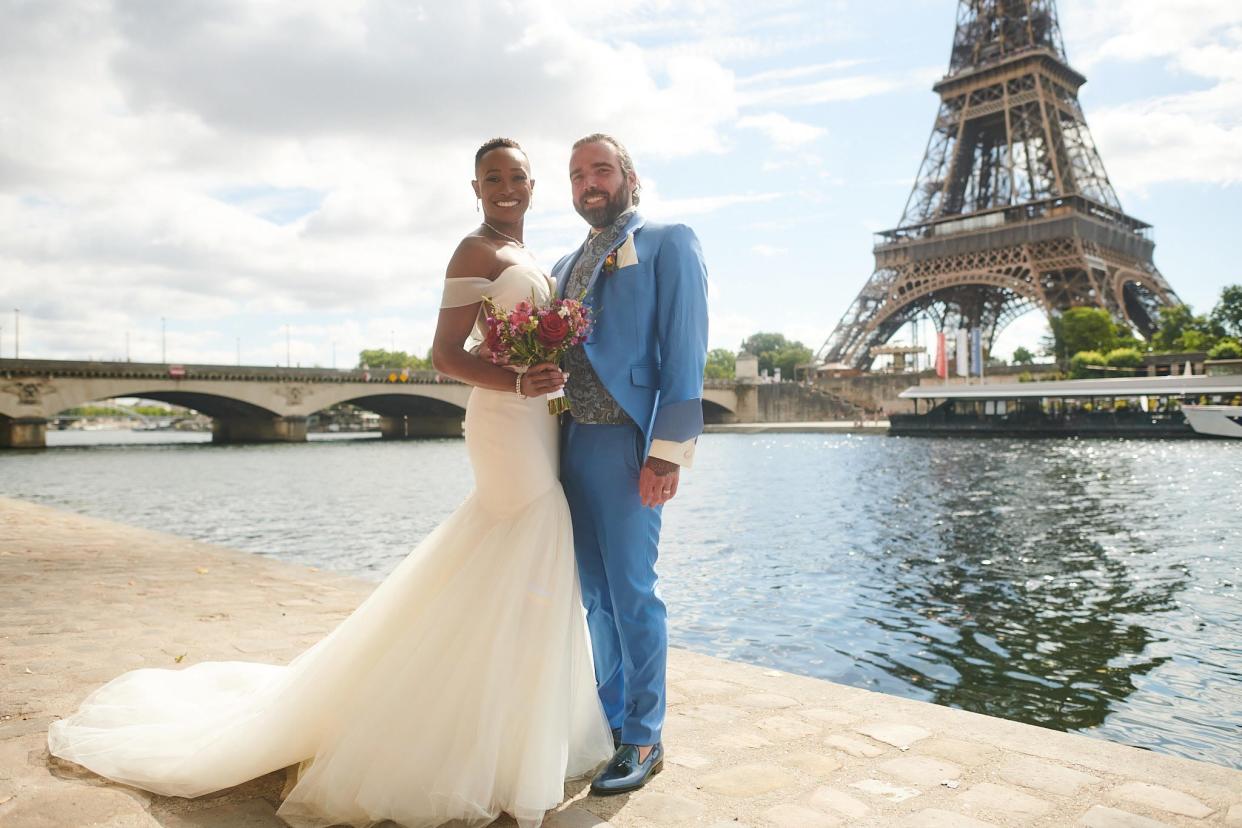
(589, 400)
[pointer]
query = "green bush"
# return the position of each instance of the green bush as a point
(1226, 349)
(721, 364)
(1128, 359)
(1082, 359)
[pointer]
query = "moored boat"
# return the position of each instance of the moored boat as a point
(1215, 420)
(1119, 407)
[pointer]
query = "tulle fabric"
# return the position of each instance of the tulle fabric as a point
(462, 687)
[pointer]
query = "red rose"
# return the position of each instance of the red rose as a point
(552, 329)
(493, 341)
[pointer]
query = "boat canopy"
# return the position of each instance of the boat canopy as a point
(1115, 387)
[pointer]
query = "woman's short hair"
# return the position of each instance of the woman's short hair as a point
(496, 143)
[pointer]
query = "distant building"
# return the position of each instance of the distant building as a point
(1222, 367)
(1166, 365)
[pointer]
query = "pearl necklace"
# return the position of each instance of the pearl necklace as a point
(518, 242)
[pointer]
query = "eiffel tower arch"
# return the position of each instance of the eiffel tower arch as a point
(1012, 209)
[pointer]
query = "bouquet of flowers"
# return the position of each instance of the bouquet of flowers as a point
(531, 334)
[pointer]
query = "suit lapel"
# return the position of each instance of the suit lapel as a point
(568, 263)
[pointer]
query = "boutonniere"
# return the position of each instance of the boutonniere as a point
(623, 256)
(610, 263)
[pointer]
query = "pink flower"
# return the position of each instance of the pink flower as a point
(521, 314)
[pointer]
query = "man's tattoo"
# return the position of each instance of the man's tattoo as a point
(661, 467)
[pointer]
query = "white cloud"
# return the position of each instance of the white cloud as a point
(285, 158)
(782, 130)
(821, 91)
(769, 251)
(674, 207)
(1190, 136)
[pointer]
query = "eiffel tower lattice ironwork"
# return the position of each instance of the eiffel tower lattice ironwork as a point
(1012, 209)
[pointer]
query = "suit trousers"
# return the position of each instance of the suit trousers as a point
(616, 541)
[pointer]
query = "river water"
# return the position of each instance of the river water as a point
(1083, 585)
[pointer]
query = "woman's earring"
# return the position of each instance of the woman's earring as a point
(478, 205)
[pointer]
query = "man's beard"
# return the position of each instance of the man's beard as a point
(605, 214)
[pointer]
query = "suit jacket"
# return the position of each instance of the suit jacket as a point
(648, 343)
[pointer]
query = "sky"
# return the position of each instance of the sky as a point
(272, 180)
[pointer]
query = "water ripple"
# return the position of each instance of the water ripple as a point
(1087, 586)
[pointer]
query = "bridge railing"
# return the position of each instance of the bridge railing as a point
(50, 368)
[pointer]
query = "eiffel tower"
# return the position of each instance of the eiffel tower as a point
(1012, 209)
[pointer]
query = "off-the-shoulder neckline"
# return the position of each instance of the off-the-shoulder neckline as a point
(499, 275)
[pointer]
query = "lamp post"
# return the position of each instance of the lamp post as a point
(163, 340)
(17, 333)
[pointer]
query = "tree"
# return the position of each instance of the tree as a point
(379, 358)
(721, 364)
(761, 343)
(1082, 329)
(1226, 349)
(1021, 356)
(1181, 330)
(774, 351)
(1227, 315)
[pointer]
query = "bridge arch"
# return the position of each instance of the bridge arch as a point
(1007, 296)
(216, 406)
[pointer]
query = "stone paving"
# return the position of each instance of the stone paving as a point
(82, 600)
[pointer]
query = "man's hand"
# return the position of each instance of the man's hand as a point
(657, 481)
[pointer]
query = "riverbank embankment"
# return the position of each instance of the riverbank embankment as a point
(816, 427)
(82, 600)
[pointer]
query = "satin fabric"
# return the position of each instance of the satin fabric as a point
(461, 687)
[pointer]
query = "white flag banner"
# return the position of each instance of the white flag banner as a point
(963, 353)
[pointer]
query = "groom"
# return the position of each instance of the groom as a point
(635, 390)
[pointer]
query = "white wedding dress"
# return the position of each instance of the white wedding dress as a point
(460, 688)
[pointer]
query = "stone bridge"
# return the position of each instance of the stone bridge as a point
(249, 403)
(262, 404)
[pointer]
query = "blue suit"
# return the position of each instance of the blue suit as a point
(649, 348)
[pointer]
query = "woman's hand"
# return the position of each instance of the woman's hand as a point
(543, 378)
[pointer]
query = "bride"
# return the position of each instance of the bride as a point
(463, 685)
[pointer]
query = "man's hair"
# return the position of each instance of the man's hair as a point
(623, 156)
(496, 143)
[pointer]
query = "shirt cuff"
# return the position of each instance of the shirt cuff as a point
(680, 453)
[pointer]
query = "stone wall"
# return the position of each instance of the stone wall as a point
(880, 391)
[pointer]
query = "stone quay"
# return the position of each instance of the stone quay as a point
(82, 600)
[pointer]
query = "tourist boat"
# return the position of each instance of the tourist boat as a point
(1215, 420)
(1120, 407)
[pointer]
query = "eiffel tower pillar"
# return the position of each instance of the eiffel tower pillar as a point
(1012, 209)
